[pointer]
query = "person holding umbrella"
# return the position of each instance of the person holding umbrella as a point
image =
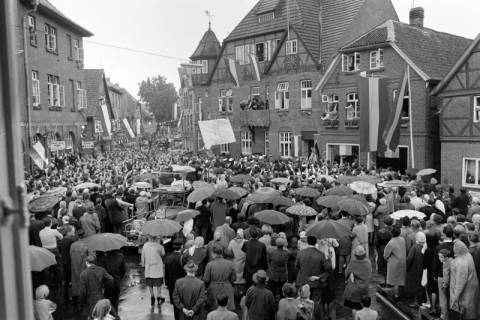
(152, 253)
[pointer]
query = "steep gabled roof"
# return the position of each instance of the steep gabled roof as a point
(432, 52)
(457, 65)
(48, 9)
(208, 47)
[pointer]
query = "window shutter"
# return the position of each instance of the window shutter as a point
(277, 102)
(50, 94)
(287, 94)
(62, 95)
(220, 104)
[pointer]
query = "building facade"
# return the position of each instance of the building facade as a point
(459, 108)
(52, 78)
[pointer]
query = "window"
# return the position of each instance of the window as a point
(225, 148)
(201, 70)
(73, 90)
(269, 16)
(351, 62)
(77, 50)
(81, 96)
(262, 51)
(32, 28)
(282, 96)
(285, 139)
(471, 172)
(476, 109)
(246, 138)
(56, 92)
(225, 101)
(267, 143)
(306, 94)
(291, 46)
(50, 38)
(35, 89)
(254, 92)
(332, 105)
(353, 108)
(376, 59)
(242, 53)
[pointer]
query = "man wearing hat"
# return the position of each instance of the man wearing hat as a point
(174, 271)
(259, 300)
(89, 222)
(189, 294)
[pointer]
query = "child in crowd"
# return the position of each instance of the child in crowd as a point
(43, 308)
(366, 313)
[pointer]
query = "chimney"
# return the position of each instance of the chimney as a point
(416, 17)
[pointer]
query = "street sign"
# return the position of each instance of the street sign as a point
(88, 144)
(57, 146)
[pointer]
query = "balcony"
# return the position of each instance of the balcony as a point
(255, 118)
(352, 123)
(330, 119)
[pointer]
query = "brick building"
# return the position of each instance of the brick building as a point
(53, 81)
(294, 42)
(459, 108)
(387, 51)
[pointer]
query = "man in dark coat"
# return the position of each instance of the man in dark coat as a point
(256, 256)
(313, 267)
(114, 262)
(461, 202)
(93, 281)
(382, 238)
(189, 295)
(174, 271)
(34, 229)
(259, 300)
(203, 225)
(64, 247)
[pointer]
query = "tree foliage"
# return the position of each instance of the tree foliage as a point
(160, 97)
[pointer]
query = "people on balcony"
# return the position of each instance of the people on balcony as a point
(256, 103)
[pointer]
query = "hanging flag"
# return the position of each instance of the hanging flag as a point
(232, 71)
(129, 129)
(373, 98)
(391, 135)
(179, 124)
(256, 67)
(37, 153)
(185, 74)
(107, 122)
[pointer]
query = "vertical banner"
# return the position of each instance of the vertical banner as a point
(138, 126)
(129, 129)
(295, 146)
(106, 119)
(37, 153)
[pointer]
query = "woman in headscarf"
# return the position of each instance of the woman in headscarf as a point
(464, 289)
(413, 282)
(235, 250)
(432, 238)
(358, 276)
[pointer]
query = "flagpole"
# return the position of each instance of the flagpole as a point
(288, 21)
(410, 117)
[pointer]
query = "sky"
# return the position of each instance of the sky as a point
(171, 30)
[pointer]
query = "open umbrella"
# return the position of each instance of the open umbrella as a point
(426, 172)
(411, 171)
(353, 206)
(86, 185)
(43, 203)
(142, 185)
(394, 184)
(281, 201)
(58, 191)
(339, 191)
(106, 241)
(40, 258)
(307, 192)
(226, 194)
(328, 229)
(238, 190)
(281, 180)
(186, 215)
(263, 195)
(363, 187)
(397, 215)
(241, 178)
(161, 227)
(350, 179)
(200, 194)
(182, 169)
(302, 210)
(329, 201)
(271, 217)
(200, 184)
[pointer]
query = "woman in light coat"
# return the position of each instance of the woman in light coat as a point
(235, 250)
(396, 255)
(464, 290)
(152, 253)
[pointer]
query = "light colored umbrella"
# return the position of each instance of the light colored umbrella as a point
(58, 191)
(241, 178)
(106, 241)
(226, 194)
(182, 169)
(186, 215)
(329, 201)
(363, 187)
(353, 206)
(200, 184)
(350, 179)
(397, 215)
(281, 180)
(281, 201)
(142, 185)
(394, 184)
(239, 190)
(302, 210)
(307, 192)
(264, 195)
(200, 194)
(40, 258)
(328, 229)
(426, 172)
(161, 227)
(339, 191)
(86, 185)
(271, 217)
(43, 203)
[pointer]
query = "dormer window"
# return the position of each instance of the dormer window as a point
(291, 46)
(265, 17)
(376, 59)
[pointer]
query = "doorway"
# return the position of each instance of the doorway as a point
(397, 160)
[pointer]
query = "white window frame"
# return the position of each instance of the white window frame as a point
(225, 102)
(225, 148)
(242, 53)
(306, 94)
(348, 59)
(267, 143)
(376, 59)
(51, 38)
(291, 46)
(246, 141)
(285, 142)
(254, 92)
(81, 96)
(35, 88)
(282, 96)
(56, 92)
(354, 112)
(476, 174)
(333, 102)
(265, 17)
(476, 109)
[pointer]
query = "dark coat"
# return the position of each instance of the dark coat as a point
(260, 303)
(256, 258)
(475, 252)
(413, 286)
(278, 264)
(34, 232)
(174, 263)
(219, 277)
(311, 262)
(64, 246)
(93, 281)
(189, 293)
(382, 238)
(199, 257)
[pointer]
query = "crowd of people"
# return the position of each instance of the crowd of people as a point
(231, 265)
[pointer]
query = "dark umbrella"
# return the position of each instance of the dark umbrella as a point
(329, 201)
(271, 217)
(161, 227)
(281, 201)
(307, 192)
(354, 207)
(227, 194)
(339, 191)
(328, 229)
(264, 195)
(43, 203)
(106, 241)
